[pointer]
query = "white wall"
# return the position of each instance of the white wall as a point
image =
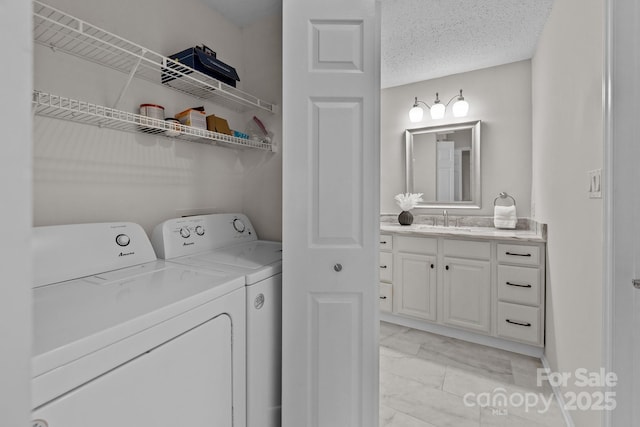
(86, 174)
(567, 142)
(262, 190)
(501, 98)
(15, 214)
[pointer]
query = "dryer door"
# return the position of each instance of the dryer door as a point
(186, 381)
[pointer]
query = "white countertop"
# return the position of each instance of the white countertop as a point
(489, 233)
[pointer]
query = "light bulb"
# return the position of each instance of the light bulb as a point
(415, 114)
(437, 111)
(460, 108)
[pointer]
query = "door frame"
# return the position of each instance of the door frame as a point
(15, 187)
(616, 168)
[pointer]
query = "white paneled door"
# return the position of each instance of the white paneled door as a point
(330, 213)
(445, 175)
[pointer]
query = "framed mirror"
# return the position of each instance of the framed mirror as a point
(443, 163)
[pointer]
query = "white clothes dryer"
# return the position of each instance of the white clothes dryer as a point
(229, 242)
(122, 339)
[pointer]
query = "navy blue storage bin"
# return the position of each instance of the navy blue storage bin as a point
(204, 60)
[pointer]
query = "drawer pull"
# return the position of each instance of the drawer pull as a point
(514, 254)
(518, 285)
(527, 324)
(383, 297)
(383, 242)
(383, 266)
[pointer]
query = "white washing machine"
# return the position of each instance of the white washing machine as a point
(228, 242)
(122, 339)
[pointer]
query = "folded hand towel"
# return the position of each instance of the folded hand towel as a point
(504, 216)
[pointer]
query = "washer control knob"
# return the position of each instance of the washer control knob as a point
(122, 240)
(199, 230)
(184, 232)
(238, 225)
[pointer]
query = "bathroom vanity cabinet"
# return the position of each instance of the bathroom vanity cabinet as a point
(386, 273)
(487, 285)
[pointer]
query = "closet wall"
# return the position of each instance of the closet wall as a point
(87, 174)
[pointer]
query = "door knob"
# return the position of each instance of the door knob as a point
(337, 267)
(636, 283)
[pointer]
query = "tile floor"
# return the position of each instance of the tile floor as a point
(428, 380)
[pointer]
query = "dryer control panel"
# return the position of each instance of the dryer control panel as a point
(186, 236)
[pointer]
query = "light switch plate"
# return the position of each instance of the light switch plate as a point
(595, 184)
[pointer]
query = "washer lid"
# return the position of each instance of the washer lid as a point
(74, 318)
(252, 255)
(256, 260)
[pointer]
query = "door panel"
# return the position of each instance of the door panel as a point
(445, 167)
(336, 157)
(336, 334)
(331, 213)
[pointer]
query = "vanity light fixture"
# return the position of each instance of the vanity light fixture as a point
(460, 108)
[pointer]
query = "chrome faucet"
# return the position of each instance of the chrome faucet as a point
(445, 214)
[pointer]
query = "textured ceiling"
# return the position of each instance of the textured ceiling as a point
(425, 39)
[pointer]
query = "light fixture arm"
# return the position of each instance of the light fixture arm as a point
(415, 104)
(459, 97)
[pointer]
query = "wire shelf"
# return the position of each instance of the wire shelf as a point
(60, 31)
(59, 107)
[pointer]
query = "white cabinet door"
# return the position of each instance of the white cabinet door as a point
(415, 285)
(467, 294)
(331, 147)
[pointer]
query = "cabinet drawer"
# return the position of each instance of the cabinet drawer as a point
(417, 245)
(386, 297)
(519, 254)
(467, 249)
(386, 242)
(519, 322)
(386, 266)
(519, 284)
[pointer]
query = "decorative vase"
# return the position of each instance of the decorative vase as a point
(405, 218)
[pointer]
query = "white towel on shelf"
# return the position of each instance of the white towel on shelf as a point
(504, 216)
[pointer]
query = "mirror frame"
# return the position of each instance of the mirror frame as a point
(476, 173)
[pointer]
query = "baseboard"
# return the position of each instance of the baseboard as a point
(557, 392)
(512, 346)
